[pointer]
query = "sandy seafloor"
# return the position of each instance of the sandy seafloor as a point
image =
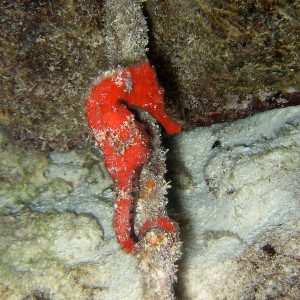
(237, 200)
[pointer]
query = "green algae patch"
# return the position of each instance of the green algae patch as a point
(21, 175)
(28, 175)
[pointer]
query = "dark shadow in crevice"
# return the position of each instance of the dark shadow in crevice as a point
(165, 72)
(176, 169)
(179, 177)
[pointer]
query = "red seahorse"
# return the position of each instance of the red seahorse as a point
(124, 140)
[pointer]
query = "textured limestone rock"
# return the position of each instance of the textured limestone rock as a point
(241, 212)
(60, 256)
(235, 196)
(268, 268)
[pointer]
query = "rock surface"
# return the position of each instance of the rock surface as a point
(242, 209)
(217, 60)
(235, 194)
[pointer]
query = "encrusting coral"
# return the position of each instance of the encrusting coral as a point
(121, 109)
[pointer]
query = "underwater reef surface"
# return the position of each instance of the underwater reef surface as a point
(51, 51)
(217, 60)
(235, 196)
(235, 185)
(223, 60)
